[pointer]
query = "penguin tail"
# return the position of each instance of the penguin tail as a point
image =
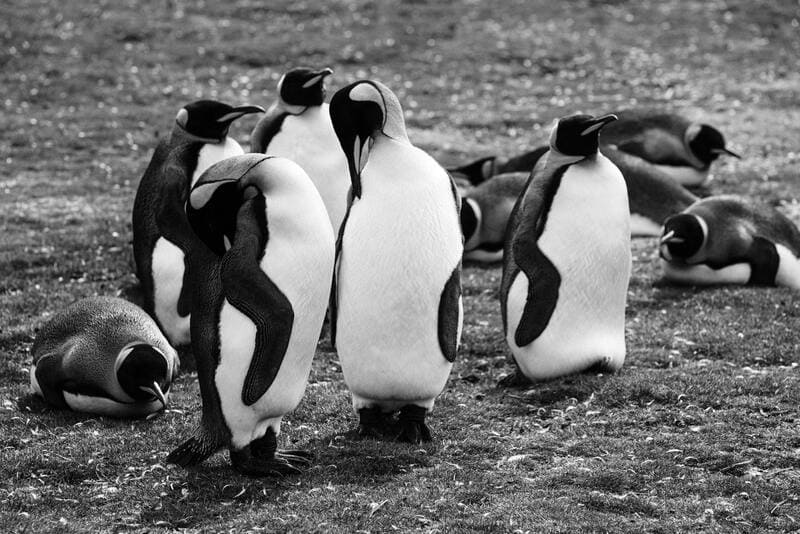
(194, 450)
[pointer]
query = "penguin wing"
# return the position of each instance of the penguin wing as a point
(333, 308)
(449, 312)
(544, 279)
(764, 262)
(269, 125)
(50, 376)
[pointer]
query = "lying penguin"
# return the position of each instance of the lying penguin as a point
(727, 239)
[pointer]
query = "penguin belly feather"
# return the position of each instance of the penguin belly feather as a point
(168, 270)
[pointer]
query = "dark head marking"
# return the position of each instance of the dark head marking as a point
(210, 119)
(683, 235)
(577, 135)
(303, 87)
(144, 373)
(707, 143)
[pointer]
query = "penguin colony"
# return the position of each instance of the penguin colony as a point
(335, 210)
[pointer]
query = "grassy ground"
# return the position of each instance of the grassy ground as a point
(698, 432)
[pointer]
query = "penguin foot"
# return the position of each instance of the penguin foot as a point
(412, 425)
(515, 379)
(371, 422)
(262, 458)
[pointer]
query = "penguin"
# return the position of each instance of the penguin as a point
(258, 307)
(103, 355)
(480, 170)
(298, 127)
(161, 235)
(565, 276)
(682, 149)
(485, 210)
(727, 239)
(396, 310)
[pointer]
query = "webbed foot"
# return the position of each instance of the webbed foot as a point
(412, 425)
(261, 458)
(371, 422)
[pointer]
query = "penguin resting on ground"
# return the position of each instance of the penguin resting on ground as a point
(161, 235)
(479, 171)
(565, 277)
(682, 149)
(396, 308)
(259, 308)
(298, 127)
(730, 240)
(103, 355)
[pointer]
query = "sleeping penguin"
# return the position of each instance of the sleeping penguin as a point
(727, 239)
(161, 235)
(103, 355)
(567, 259)
(259, 301)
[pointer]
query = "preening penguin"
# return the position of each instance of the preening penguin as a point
(396, 305)
(103, 355)
(565, 277)
(259, 308)
(730, 240)
(161, 234)
(298, 127)
(682, 149)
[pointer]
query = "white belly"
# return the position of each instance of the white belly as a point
(168, 268)
(641, 226)
(212, 153)
(310, 141)
(400, 246)
(587, 237)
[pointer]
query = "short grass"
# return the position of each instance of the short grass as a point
(698, 432)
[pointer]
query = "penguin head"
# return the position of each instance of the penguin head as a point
(143, 372)
(707, 143)
(684, 235)
(210, 120)
(301, 88)
(360, 113)
(578, 135)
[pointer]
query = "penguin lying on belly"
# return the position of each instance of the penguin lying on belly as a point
(258, 307)
(567, 259)
(105, 356)
(729, 240)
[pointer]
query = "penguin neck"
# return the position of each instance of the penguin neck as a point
(291, 109)
(556, 159)
(180, 135)
(688, 137)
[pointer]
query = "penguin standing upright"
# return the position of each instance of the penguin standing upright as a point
(103, 355)
(682, 149)
(567, 259)
(258, 306)
(396, 304)
(298, 127)
(161, 235)
(727, 239)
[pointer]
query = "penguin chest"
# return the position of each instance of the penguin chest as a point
(211, 153)
(168, 270)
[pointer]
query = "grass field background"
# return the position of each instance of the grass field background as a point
(698, 432)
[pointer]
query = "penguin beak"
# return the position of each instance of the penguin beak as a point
(317, 78)
(724, 150)
(240, 111)
(670, 237)
(599, 122)
(155, 390)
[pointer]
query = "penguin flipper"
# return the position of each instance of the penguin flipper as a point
(764, 262)
(449, 315)
(333, 307)
(543, 285)
(269, 125)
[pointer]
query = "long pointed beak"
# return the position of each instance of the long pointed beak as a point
(726, 151)
(669, 237)
(598, 123)
(240, 111)
(155, 390)
(319, 76)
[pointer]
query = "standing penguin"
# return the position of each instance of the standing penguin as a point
(567, 259)
(298, 127)
(258, 306)
(161, 235)
(682, 149)
(396, 304)
(103, 355)
(729, 240)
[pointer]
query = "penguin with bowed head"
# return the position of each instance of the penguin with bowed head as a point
(103, 355)
(258, 311)
(161, 235)
(396, 309)
(727, 239)
(682, 149)
(565, 276)
(298, 126)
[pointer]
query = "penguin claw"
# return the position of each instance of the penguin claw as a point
(369, 431)
(279, 465)
(412, 425)
(516, 379)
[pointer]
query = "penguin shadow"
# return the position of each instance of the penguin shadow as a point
(552, 394)
(55, 417)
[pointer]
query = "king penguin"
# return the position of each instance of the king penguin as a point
(727, 239)
(298, 126)
(161, 234)
(103, 355)
(258, 308)
(396, 309)
(682, 149)
(565, 276)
